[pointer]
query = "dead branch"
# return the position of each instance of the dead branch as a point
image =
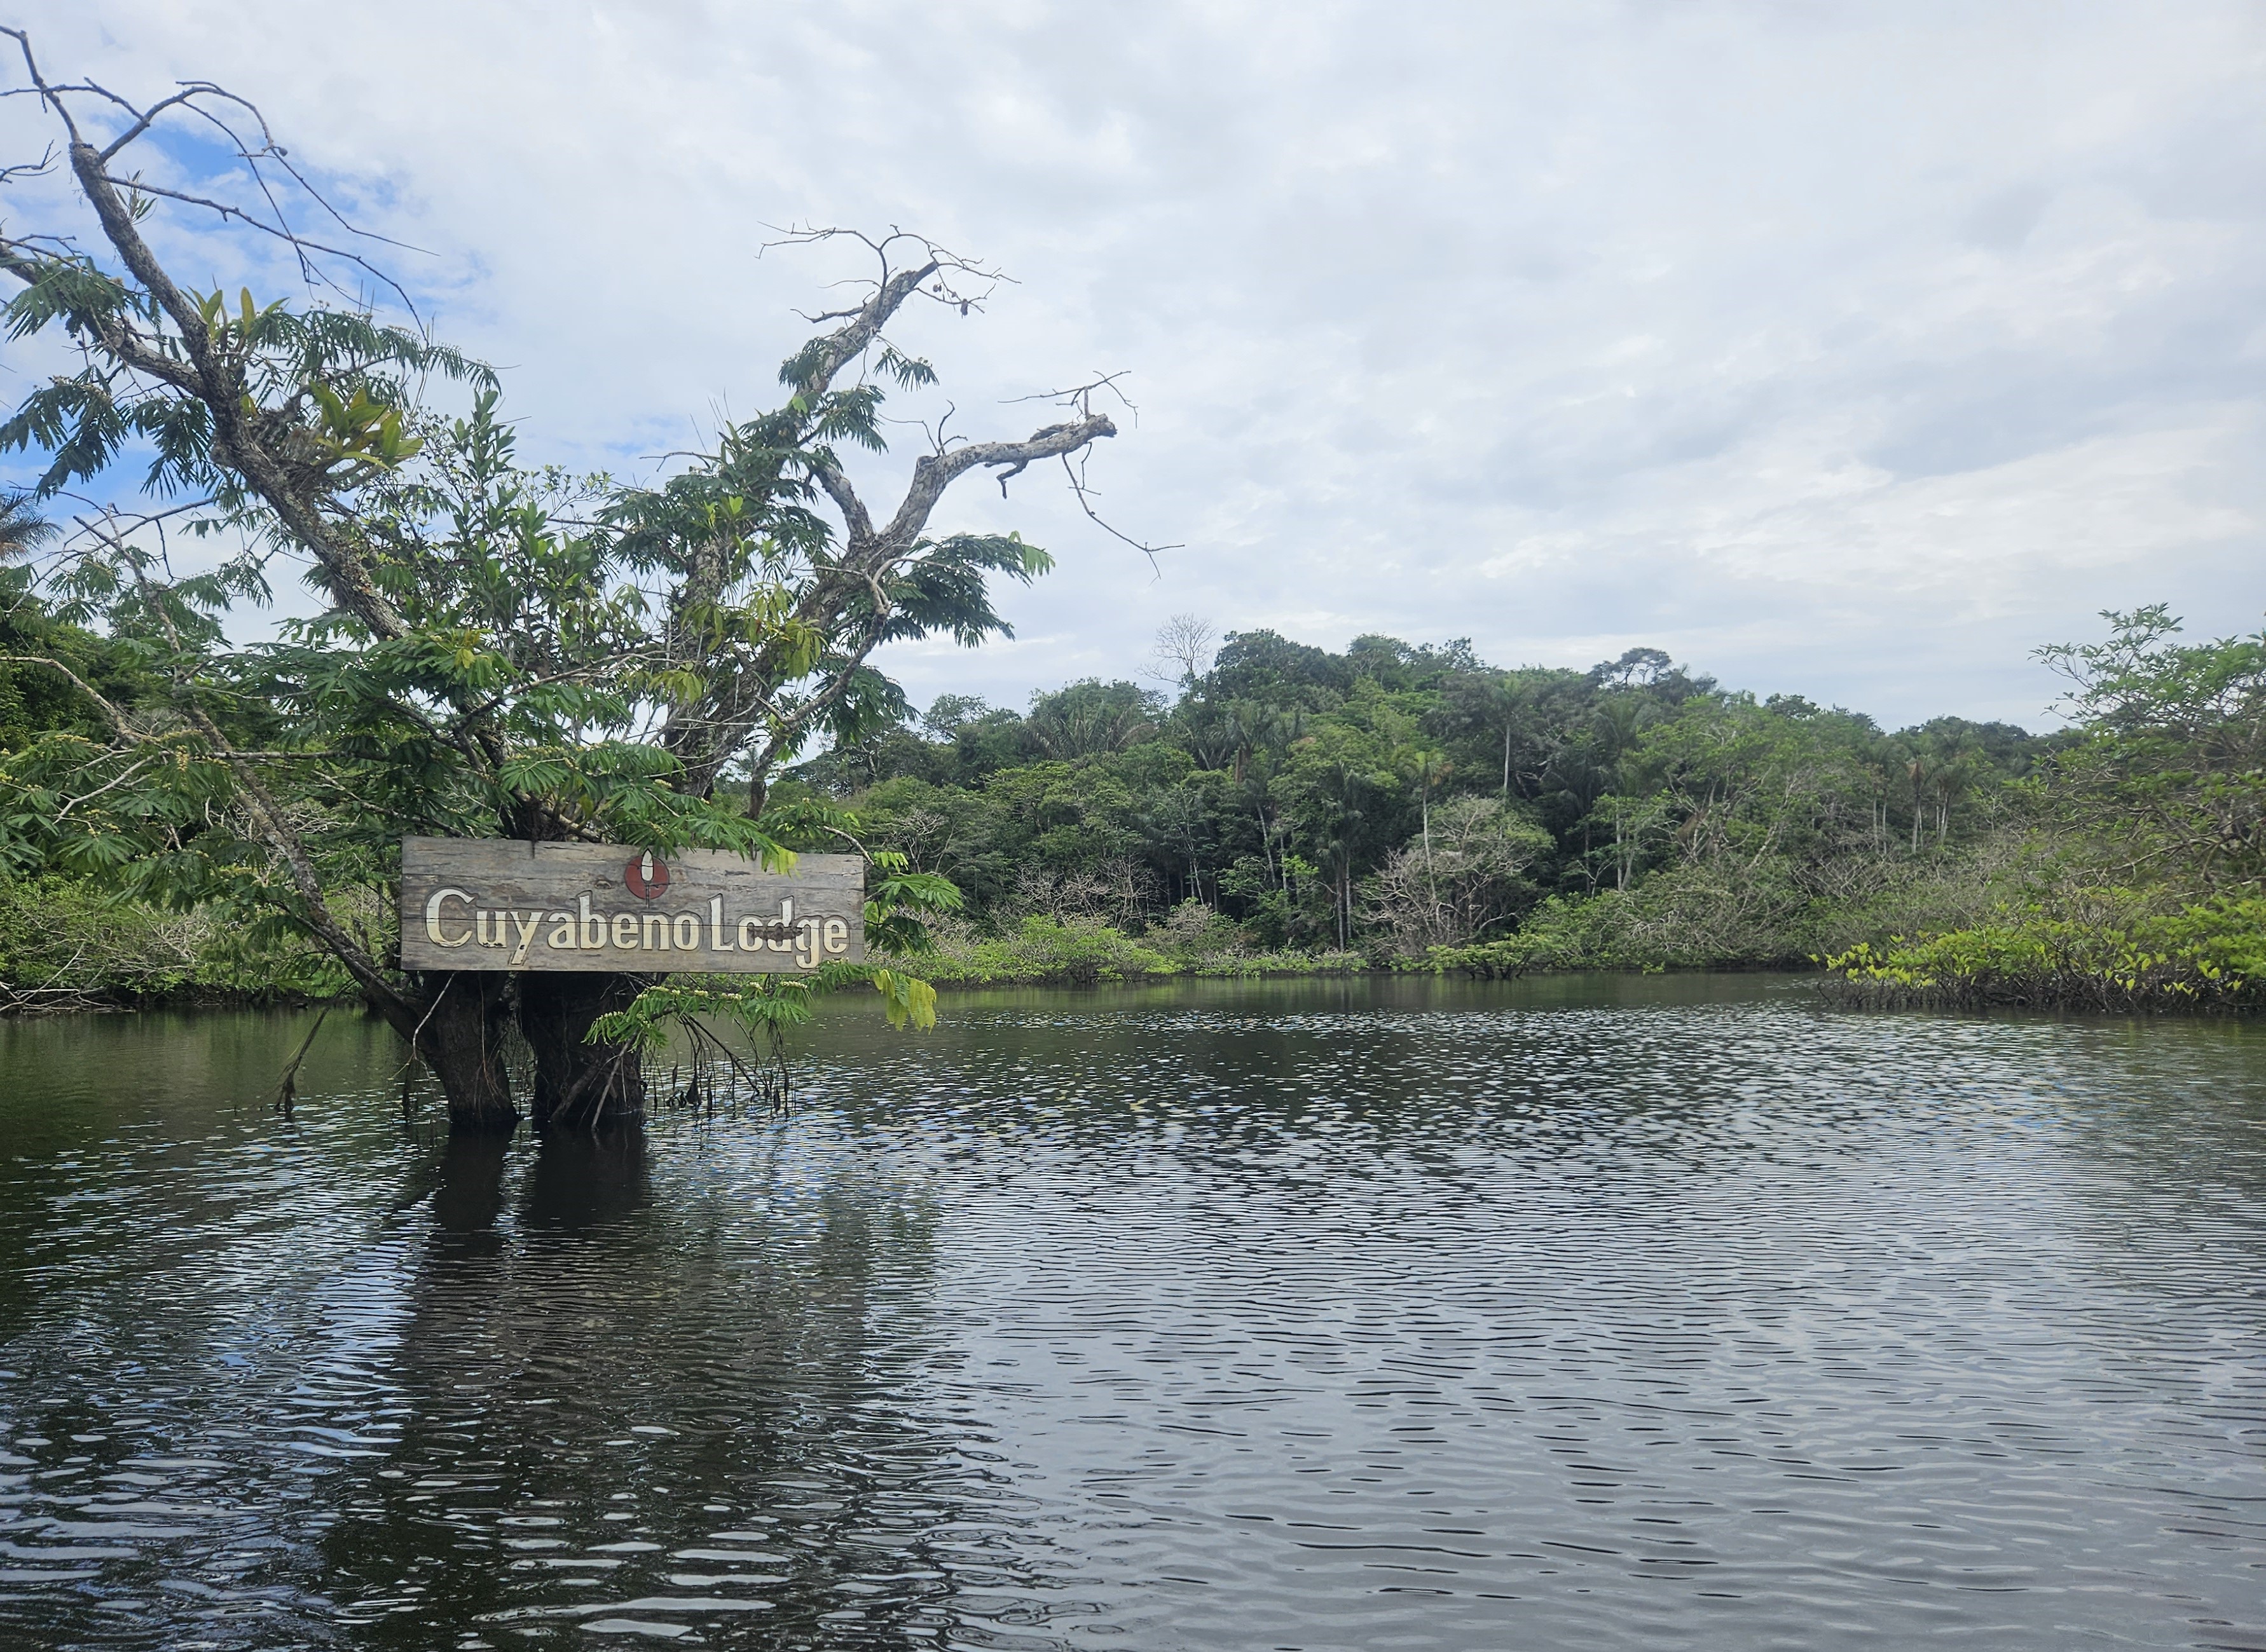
(287, 1089)
(935, 261)
(200, 369)
(1080, 487)
(933, 473)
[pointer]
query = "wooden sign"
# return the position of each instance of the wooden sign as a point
(500, 903)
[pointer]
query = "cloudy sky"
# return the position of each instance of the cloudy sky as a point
(1850, 351)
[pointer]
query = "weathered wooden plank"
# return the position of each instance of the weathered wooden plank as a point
(501, 903)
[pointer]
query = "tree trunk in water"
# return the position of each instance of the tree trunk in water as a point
(461, 1038)
(578, 1082)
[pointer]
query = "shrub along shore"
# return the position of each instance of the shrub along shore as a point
(1292, 812)
(2207, 958)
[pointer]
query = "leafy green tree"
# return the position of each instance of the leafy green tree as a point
(1465, 879)
(500, 651)
(1088, 718)
(2171, 774)
(1265, 666)
(22, 528)
(1344, 800)
(948, 713)
(41, 658)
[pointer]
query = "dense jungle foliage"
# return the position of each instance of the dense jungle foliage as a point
(1415, 806)
(1292, 809)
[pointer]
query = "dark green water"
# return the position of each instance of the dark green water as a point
(1559, 1314)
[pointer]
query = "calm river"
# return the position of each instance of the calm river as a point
(1557, 1315)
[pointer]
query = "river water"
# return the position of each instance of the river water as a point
(1568, 1313)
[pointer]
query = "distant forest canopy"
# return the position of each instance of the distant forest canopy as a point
(1414, 802)
(1401, 797)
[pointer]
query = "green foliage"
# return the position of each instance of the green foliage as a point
(764, 1006)
(1341, 827)
(2171, 774)
(505, 650)
(1082, 951)
(66, 944)
(1419, 805)
(1088, 718)
(899, 906)
(1296, 793)
(2209, 955)
(1042, 949)
(333, 387)
(910, 1002)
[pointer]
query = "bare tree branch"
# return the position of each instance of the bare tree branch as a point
(933, 473)
(1078, 486)
(208, 373)
(854, 515)
(111, 714)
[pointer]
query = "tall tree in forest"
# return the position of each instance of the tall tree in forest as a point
(2172, 774)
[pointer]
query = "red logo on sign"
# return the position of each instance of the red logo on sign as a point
(646, 878)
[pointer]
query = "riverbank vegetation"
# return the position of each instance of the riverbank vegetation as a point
(1286, 809)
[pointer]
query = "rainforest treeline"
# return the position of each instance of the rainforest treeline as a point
(1288, 809)
(1394, 798)
(1409, 805)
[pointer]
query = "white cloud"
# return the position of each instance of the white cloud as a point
(1851, 352)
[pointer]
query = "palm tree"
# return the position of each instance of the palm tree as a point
(1496, 704)
(22, 528)
(1615, 727)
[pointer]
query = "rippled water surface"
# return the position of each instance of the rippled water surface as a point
(1554, 1314)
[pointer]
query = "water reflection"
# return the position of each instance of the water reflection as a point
(1309, 1317)
(620, 1415)
(468, 1197)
